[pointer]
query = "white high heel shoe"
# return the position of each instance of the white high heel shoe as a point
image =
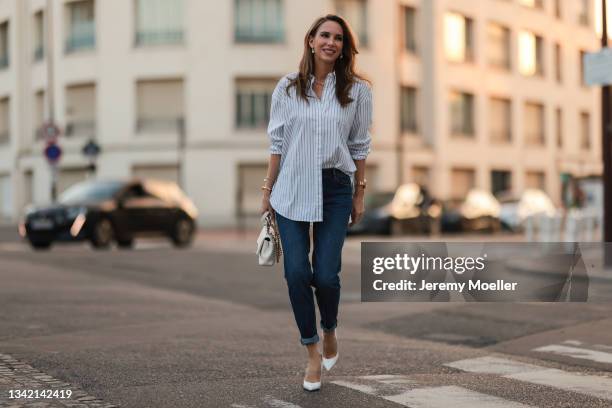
(328, 363)
(312, 386)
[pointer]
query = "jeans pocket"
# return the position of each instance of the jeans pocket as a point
(342, 178)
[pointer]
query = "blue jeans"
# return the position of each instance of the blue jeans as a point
(328, 239)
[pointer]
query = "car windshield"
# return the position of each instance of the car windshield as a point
(90, 191)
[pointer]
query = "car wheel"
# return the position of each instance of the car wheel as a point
(182, 232)
(40, 245)
(102, 234)
(125, 243)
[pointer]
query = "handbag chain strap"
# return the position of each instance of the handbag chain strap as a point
(278, 250)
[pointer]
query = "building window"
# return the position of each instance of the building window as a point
(535, 179)
(499, 46)
(81, 26)
(39, 36)
(585, 131)
(583, 13)
(537, 4)
(81, 110)
(459, 37)
(501, 180)
(531, 54)
(159, 22)
(558, 10)
(462, 113)
(534, 124)
(462, 181)
(6, 197)
(581, 69)
(4, 45)
(408, 106)
(160, 106)
(39, 114)
(558, 63)
(559, 122)
(259, 21)
(500, 120)
(253, 98)
(355, 13)
(5, 121)
(410, 29)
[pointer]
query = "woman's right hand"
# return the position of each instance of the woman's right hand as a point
(265, 205)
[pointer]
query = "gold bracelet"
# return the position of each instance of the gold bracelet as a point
(266, 188)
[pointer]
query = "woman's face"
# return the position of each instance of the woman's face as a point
(327, 42)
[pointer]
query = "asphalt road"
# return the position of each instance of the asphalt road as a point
(203, 327)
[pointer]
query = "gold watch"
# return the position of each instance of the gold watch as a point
(362, 183)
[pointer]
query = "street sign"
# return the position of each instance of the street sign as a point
(598, 67)
(53, 153)
(91, 149)
(50, 131)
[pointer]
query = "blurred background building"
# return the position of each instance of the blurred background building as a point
(467, 93)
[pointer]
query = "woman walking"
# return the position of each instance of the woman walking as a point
(319, 134)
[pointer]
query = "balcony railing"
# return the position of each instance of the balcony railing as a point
(82, 37)
(81, 128)
(159, 125)
(159, 37)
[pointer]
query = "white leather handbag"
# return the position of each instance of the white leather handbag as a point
(269, 248)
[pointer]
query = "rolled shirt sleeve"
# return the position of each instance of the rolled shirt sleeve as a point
(359, 139)
(278, 116)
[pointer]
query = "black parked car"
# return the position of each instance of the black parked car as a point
(106, 211)
(409, 209)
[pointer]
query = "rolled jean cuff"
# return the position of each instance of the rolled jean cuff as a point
(311, 340)
(331, 329)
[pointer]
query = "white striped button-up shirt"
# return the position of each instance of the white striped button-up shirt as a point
(314, 136)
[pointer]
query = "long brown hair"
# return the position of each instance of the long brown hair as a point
(344, 67)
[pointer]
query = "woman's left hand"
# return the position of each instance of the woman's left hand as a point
(358, 209)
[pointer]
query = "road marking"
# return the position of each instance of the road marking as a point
(389, 379)
(595, 386)
(366, 389)
(276, 403)
(430, 397)
(447, 396)
(580, 353)
(573, 342)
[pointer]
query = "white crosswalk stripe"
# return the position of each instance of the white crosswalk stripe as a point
(591, 385)
(575, 352)
(451, 396)
(426, 397)
(276, 403)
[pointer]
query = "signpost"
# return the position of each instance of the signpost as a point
(50, 132)
(53, 153)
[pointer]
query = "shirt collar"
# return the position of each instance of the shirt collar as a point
(331, 75)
